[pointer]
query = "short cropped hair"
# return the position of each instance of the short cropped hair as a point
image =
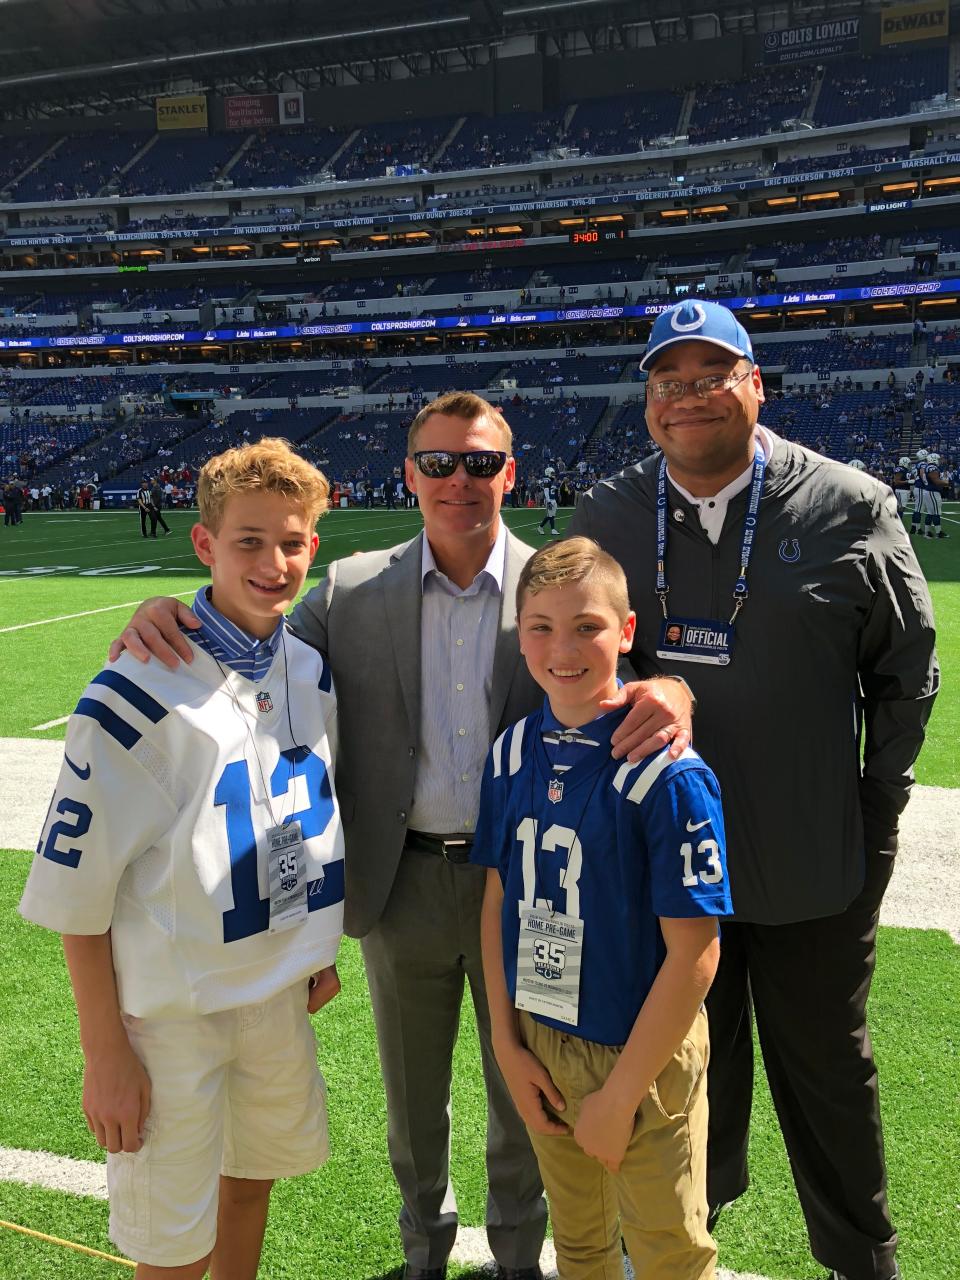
(460, 404)
(575, 560)
(269, 466)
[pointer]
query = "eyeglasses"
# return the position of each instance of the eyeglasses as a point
(712, 385)
(482, 464)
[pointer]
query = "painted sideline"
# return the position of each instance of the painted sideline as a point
(89, 1178)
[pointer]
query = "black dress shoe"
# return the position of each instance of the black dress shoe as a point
(424, 1273)
(837, 1275)
(519, 1273)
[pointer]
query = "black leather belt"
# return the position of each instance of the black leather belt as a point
(452, 848)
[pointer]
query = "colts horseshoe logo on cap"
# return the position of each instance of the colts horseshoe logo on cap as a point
(687, 326)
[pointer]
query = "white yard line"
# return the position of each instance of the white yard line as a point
(65, 617)
(89, 1178)
(49, 724)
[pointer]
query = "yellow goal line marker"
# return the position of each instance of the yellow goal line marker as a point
(67, 1244)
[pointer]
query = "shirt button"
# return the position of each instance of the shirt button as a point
(401, 815)
(464, 777)
(711, 505)
(459, 688)
(462, 733)
(459, 644)
(466, 823)
(413, 751)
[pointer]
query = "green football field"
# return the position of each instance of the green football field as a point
(68, 582)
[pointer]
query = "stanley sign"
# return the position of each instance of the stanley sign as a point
(187, 111)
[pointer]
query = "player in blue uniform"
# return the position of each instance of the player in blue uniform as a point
(192, 857)
(600, 938)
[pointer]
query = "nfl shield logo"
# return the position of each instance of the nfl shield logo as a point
(264, 701)
(555, 790)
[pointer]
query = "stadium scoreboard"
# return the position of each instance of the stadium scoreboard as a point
(597, 235)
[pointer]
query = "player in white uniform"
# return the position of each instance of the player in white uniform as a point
(192, 857)
(902, 482)
(928, 496)
(550, 495)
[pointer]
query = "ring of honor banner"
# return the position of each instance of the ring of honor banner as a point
(186, 111)
(818, 40)
(262, 110)
(903, 22)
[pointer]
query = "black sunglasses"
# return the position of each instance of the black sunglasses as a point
(437, 464)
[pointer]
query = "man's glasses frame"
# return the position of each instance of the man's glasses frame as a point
(438, 464)
(713, 384)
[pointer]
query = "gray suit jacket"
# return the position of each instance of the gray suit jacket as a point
(365, 618)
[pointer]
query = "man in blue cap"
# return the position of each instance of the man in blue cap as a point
(783, 587)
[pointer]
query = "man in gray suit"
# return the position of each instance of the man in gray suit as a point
(422, 643)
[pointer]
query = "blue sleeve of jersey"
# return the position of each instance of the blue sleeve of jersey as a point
(683, 828)
(488, 845)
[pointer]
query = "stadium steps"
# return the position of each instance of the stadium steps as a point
(114, 185)
(918, 352)
(568, 115)
(808, 112)
(347, 143)
(51, 150)
(628, 371)
(607, 419)
(454, 130)
(245, 145)
(686, 111)
(372, 386)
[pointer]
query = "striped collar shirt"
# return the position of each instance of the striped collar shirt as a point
(458, 639)
(565, 746)
(230, 644)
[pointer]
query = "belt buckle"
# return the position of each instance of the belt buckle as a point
(447, 845)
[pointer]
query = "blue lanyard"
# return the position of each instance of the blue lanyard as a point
(740, 592)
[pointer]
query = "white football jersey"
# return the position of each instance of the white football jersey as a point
(157, 829)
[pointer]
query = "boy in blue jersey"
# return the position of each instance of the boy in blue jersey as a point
(192, 858)
(600, 938)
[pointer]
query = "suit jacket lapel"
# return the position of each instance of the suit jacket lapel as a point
(506, 656)
(402, 587)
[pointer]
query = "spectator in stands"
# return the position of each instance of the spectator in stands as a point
(799, 953)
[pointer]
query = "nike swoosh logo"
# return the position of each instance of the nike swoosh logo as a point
(695, 826)
(82, 774)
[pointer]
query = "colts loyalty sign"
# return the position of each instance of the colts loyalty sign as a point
(695, 640)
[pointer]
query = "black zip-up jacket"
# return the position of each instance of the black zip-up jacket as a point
(833, 653)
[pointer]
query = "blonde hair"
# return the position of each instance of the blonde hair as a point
(269, 466)
(460, 404)
(575, 560)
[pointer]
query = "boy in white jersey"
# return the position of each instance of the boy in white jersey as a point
(192, 857)
(599, 938)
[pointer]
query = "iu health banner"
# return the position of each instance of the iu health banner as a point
(262, 110)
(817, 40)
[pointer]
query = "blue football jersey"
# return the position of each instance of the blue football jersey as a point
(615, 844)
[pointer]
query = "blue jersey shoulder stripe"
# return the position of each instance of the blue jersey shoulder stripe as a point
(118, 728)
(136, 696)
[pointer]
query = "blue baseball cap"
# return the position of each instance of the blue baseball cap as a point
(691, 321)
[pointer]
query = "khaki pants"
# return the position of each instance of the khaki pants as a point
(658, 1200)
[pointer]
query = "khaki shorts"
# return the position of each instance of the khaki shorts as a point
(658, 1199)
(237, 1093)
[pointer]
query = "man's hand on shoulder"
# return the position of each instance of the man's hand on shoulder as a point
(661, 712)
(154, 632)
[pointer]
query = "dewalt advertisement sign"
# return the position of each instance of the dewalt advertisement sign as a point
(186, 111)
(903, 22)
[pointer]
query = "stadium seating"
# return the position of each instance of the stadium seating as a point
(874, 88)
(747, 108)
